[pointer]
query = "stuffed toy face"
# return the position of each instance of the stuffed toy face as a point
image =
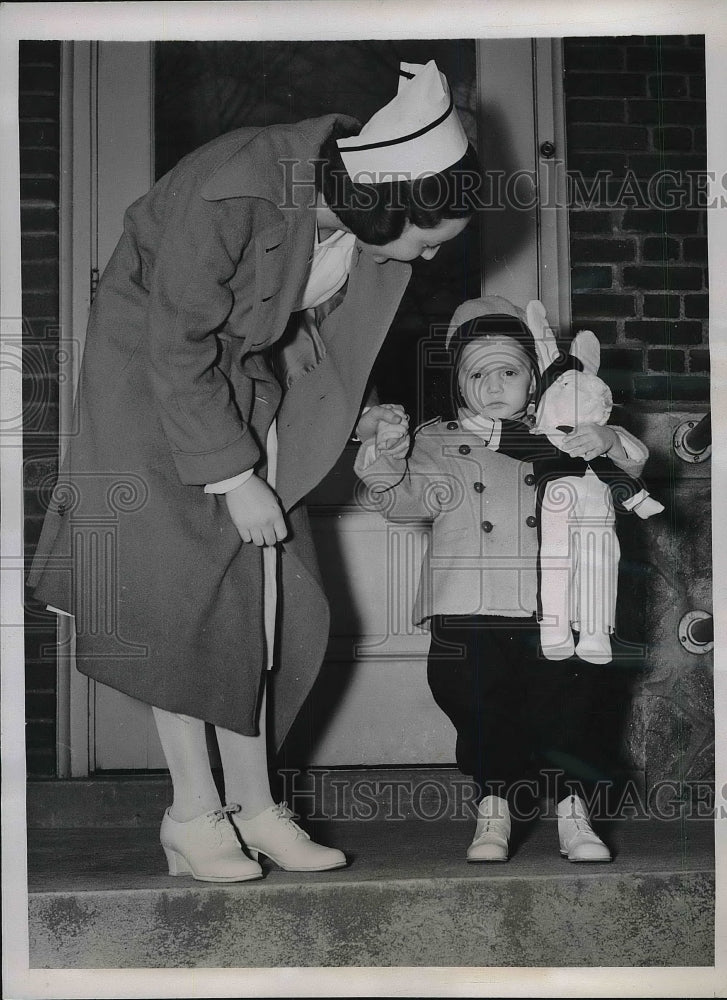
(574, 398)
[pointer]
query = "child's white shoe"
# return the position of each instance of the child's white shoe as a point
(594, 648)
(492, 833)
(578, 842)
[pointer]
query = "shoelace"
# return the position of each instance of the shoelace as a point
(220, 816)
(285, 814)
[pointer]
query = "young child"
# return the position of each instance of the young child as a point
(511, 708)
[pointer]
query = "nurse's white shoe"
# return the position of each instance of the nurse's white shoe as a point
(274, 834)
(207, 848)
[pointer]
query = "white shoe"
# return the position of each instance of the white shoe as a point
(492, 833)
(578, 842)
(206, 848)
(274, 834)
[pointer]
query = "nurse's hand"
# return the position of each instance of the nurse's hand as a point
(390, 413)
(256, 512)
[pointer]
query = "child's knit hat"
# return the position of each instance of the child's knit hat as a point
(491, 314)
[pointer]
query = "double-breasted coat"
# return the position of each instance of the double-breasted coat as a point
(483, 548)
(176, 392)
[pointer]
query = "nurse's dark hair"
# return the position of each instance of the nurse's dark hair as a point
(378, 213)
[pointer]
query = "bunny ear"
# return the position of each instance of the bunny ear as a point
(545, 345)
(587, 349)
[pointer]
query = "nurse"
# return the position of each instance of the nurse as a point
(227, 354)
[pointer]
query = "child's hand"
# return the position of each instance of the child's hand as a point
(590, 440)
(389, 413)
(392, 439)
(255, 509)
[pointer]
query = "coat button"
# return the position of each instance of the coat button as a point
(464, 449)
(530, 479)
(531, 521)
(61, 509)
(479, 487)
(487, 526)
(452, 425)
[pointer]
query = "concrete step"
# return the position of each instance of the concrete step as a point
(100, 898)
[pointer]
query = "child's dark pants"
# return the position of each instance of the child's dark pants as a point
(518, 717)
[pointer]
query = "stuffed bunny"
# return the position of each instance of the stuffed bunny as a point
(579, 550)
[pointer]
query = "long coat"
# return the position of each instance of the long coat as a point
(176, 392)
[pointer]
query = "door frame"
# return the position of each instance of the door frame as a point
(95, 122)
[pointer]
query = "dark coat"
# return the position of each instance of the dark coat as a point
(176, 392)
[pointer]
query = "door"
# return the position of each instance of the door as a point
(372, 705)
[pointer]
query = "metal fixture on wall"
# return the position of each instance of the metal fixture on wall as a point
(693, 440)
(696, 632)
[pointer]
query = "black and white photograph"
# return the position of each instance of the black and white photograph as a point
(363, 399)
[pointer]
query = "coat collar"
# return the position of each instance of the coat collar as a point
(288, 153)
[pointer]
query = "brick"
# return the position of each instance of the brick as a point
(39, 218)
(590, 164)
(665, 360)
(44, 188)
(669, 221)
(647, 165)
(660, 248)
(672, 137)
(662, 306)
(38, 106)
(606, 305)
(590, 109)
(668, 278)
(39, 161)
(590, 222)
(40, 276)
(699, 360)
(608, 136)
(658, 332)
(40, 763)
(697, 87)
(41, 734)
(586, 278)
(700, 140)
(39, 246)
(605, 330)
(624, 359)
(696, 306)
(688, 388)
(655, 112)
(37, 51)
(602, 251)
(694, 249)
(40, 705)
(607, 84)
(40, 304)
(44, 79)
(40, 675)
(584, 57)
(664, 59)
(39, 133)
(667, 86)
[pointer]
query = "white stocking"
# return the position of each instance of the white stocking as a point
(245, 768)
(184, 743)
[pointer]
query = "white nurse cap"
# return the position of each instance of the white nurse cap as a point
(415, 134)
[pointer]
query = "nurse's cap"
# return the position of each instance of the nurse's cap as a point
(416, 134)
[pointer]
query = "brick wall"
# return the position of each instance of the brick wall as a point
(39, 180)
(635, 119)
